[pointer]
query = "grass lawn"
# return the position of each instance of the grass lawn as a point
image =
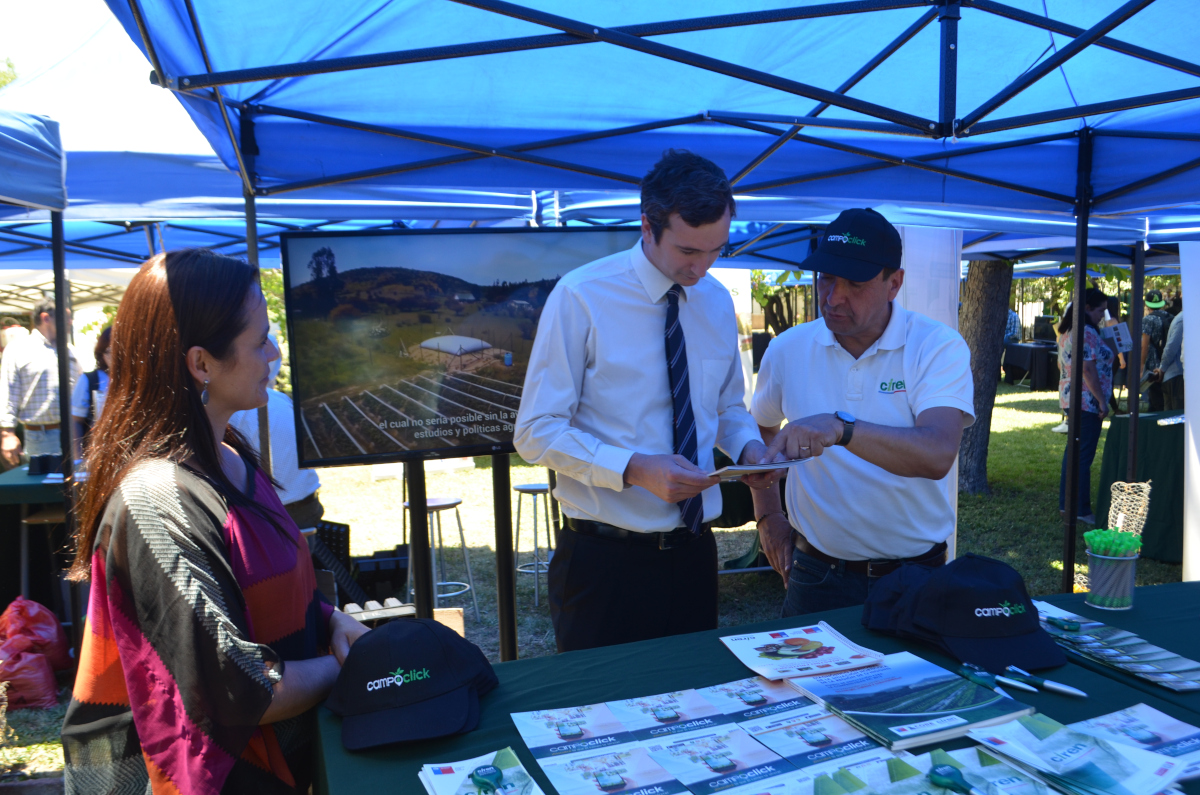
(1019, 523)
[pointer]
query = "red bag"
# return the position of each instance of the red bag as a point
(30, 619)
(31, 683)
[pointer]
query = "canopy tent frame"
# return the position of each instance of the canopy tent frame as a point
(886, 121)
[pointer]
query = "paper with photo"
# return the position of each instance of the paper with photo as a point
(567, 731)
(714, 761)
(815, 740)
(667, 713)
(1146, 728)
(802, 651)
(754, 697)
(629, 770)
(454, 778)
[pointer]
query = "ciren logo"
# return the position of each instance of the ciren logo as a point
(891, 387)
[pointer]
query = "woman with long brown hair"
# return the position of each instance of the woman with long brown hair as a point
(206, 642)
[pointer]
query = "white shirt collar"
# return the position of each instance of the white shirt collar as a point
(653, 280)
(891, 339)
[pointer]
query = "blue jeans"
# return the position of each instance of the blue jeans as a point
(1089, 438)
(814, 586)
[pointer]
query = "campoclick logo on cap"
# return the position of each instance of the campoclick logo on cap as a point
(849, 239)
(1006, 609)
(398, 678)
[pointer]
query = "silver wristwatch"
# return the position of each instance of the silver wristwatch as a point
(847, 426)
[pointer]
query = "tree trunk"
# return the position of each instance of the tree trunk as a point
(982, 320)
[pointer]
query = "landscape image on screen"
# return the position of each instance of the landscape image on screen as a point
(410, 344)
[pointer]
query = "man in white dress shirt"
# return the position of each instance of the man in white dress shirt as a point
(880, 397)
(634, 376)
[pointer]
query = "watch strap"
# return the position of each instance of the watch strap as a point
(847, 433)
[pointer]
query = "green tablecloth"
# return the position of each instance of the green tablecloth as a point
(1160, 459)
(658, 666)
(17, 488)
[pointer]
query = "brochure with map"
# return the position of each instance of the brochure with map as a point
(814, 739)
(755, 697)
(668, 713)
(1080, 763)
(1146, 728)
(906, 701)
(629, 770)
(571, 731)
(499, 771)
(717, 760)
(803, 651)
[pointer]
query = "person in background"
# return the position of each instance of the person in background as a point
(1064, 376)
(1098, 358)
(297, 487)
(1155, 326)
(29, 388)
(11, 330)
(207, 645)
(87, 399)
(1170, 369)
(1012, 328)
(1119, 369)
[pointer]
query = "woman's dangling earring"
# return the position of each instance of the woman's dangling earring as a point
(204, 395)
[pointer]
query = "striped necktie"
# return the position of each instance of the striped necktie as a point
(681, 401)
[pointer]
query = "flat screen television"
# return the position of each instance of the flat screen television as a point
(413, 344)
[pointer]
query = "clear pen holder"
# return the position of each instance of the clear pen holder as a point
(1111, 581)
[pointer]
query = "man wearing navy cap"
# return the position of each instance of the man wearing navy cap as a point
(879, 397)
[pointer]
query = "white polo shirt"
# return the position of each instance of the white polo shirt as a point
(845, 506)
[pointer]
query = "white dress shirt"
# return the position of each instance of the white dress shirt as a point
(29, 381)
(844, 505)
(294, 483)
(597, 389)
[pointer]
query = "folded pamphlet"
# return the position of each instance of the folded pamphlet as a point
(815, 740)
(1079, 763)
(629, 770)
(1146, 728)
(649, 717)
(500, 771)
(737, 470)
(803, 651)
(571, 731)
(754, 697)
(982, 770)
(714, 761)
(905, 701)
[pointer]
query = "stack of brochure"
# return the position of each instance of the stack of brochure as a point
(803, 651)
(906, 701)
(1146, 728)
(1119, 649)
(1078, 763)
(749, 736)
(500, 772)
(981, 770)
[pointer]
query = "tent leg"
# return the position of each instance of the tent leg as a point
(62, 301)
(506, 586)
(1083, 201)
(420, 560)
(1133, 370)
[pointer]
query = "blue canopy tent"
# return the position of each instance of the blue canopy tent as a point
(1073, 114)
(32, 174)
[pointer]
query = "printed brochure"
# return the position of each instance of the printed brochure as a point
(981, 770)
(571, 731)
(1146, 728)
(628, 770)
(803, 651)
(669, 713)
(755, 697)
(500, 771)
(713, 761)
(905, 701)
(815, 740)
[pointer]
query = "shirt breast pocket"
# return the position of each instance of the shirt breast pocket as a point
(713, 377)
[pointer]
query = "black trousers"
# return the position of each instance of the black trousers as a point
(605, 591)
(1173, 394)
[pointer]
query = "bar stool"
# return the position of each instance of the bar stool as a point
(536, 491)
(434, 507)
(47, 518)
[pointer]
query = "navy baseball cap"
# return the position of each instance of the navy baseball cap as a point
(979, 611)
(857, 246)
(408, 680)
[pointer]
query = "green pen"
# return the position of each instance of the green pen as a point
(487, 778)
(1065, 624)
(951, 778)
(981, 678)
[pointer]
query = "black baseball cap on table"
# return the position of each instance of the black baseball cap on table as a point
(857, 246)
(410, 679)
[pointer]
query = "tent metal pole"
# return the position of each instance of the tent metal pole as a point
(1133, 370)
(1148, 181)
(84, 247)
(420, 559)
(1083, 192)
(1064, 54)
(279, 72)
(948, 16)
(660, 50)
(1165, 136)
(1037, 21)
(786, 242)
(882, 127)
(62, 330)
(506, 585)
(754, 240)
(144, 31)
(1080, 111)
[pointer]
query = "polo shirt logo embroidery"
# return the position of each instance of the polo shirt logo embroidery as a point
(891, 387)
(850, 239)
(398, 678)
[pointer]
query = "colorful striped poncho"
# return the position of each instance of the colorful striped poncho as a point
(194, 607)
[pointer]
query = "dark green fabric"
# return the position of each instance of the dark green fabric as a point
(1160, 459)
(1164, 615)
(16, 488)
(659, 666)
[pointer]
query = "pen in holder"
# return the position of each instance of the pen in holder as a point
(1112, 568)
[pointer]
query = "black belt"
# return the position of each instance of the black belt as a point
(933, 557)
(676, 538)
